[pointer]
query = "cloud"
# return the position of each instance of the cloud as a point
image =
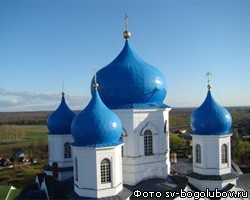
(8, 103)
(31, 101)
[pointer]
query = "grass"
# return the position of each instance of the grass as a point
(35, 140)
(33, 135)
(21, 175)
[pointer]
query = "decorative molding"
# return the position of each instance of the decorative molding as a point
(148, 126)
(124, 132)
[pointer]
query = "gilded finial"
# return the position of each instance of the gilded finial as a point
(126, 33)
(63, 89)
(95, 85)
(208, 74)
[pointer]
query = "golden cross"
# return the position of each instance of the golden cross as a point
(208, 74)
(126, 20)
(95, 70)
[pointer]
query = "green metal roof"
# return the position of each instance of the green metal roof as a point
(9, 192)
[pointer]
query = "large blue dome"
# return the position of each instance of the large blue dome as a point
(211, 118)
(128, 80)
(96, 125)
(59, 122)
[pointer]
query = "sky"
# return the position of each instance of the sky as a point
(47, 44)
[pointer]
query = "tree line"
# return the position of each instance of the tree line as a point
(23, 121)
(24, 118)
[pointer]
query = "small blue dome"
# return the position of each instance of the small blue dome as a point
(130, 80)
(211, 118)
(59, 122)
(96, 125)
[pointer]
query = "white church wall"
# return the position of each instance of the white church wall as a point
(56, 149)
(56, 155)
(211, 154)
(89, 171)
(211, 161)
(137, 166)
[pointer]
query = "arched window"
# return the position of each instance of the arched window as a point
(76, 169)
(121, 140)
(148, 143)
(67, 150)
(105, 171)
(198, 153)
(224, 154)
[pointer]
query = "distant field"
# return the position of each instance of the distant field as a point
(33, 135)
(179, 118)
(34, 145)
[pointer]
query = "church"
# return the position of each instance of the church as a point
(118, 147)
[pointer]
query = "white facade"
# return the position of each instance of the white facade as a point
(89, 180)
(136, 165)
(211, 146)
(60, 155)
(213, 158)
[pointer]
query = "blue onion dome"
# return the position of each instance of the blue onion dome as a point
(129, 80)
(96, 125)
(211, 118)
(59, 122)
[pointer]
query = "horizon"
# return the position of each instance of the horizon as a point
(172, 108)
(45, 43)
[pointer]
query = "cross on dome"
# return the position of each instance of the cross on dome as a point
(208, 74)
(126, 20)
(63, 93)
(126, 33)
(95, 85)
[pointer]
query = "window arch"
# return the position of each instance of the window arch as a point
(76, 169)
(224, 154)
(105, 171)
(67, 150)
(148, 143)
(124, 132)
(198, 153)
